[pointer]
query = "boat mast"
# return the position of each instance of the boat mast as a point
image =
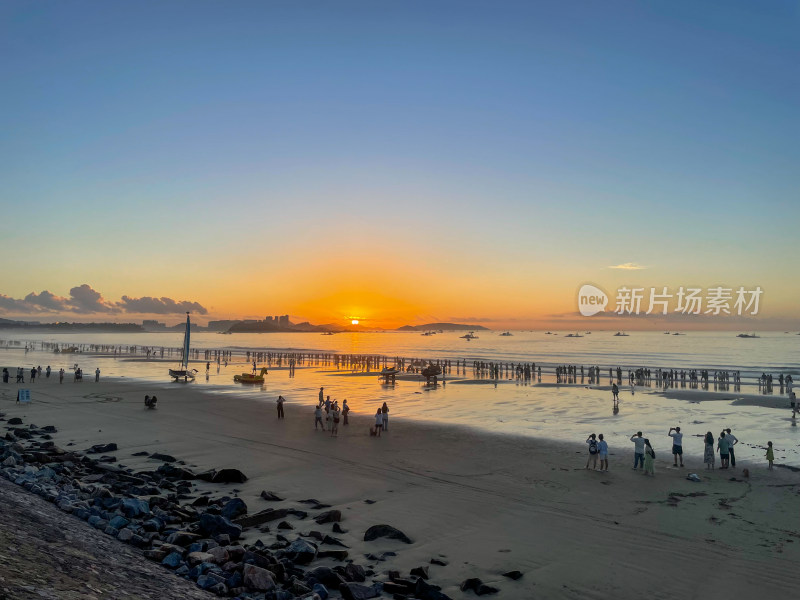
(186, 344)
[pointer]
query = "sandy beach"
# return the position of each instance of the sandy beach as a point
(483, 503)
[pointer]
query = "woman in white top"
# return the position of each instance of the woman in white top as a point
(378, 423)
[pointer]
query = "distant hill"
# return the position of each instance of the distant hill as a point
(443, 327)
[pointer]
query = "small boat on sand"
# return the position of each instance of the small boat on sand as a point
(251, 377)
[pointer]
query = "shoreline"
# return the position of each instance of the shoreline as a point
(490, 503)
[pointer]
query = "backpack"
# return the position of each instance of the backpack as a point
(592, 446)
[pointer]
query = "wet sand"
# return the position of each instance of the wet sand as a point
(485, 503)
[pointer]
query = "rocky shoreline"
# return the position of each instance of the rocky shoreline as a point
(197, 534)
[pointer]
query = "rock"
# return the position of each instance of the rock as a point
(15, 421)
(390, 587)
(285, 525)
(387, 531)
(163, 457)
(172, 560)
(331, 516)
(420, 572)
(325, 576)
(485, 590)
(256, 578)
(332, 541)
(301, 551)
(195, 558)
(125, 535)
(354, 572)
(513, 575)
(439, 561)
(470, 584)
(182, 538)
(216, 524)
(223, 476)
(119, 522)
(426, 591)
(355, 591)
(234, 508)
(271, 514)
(219, 556)
(271, 496)
(135, 507)
(334, 554)
(102, 448)
(337, 528)
(10, 462)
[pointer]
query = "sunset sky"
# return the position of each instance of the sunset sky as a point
(398, 162)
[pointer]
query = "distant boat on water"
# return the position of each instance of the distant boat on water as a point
(573, 335)
(328, 333)
(551, 333)
(184, 372)
(747, 335)
(620, 334)
(678, 333)
(470, 336)
(506, 333)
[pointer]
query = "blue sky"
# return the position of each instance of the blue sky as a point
(546, 138)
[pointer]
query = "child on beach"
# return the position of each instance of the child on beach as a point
(335, 416)
(318, 418)
(602, 453)
(770, 455)
(592, 441)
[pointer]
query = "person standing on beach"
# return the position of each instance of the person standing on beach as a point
(770, 455)
(61, 375)
(732, 441)
(378, 423)
(592, 441)
(708, 454)
(321, 397)
(649, 459)
(602, 453)
(47, 372)
(723, 446)
(280, 401)
(638, 451)
(318, 418)
(345, 411)
(97, 374)
(335, 417)
(677, 444)
(614, 393)
(33, 374)
(385, 411)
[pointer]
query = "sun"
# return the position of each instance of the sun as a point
(354, 322)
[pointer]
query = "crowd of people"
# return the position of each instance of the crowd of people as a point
(644, 455)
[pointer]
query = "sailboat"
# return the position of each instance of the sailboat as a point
(184, 372)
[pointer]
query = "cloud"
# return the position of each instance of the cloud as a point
(628, 266)
(8, 304)
(83, 299)
(46, 302)
(159, 306)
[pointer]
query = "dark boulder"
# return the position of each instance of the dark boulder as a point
(385, 531)
(212, 525)
(271, 496)
(234, 508)
(331, 516)
(355, 591)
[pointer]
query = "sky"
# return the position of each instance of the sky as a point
(396, 162)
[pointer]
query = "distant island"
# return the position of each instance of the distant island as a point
(443, 327)
(63, 326)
